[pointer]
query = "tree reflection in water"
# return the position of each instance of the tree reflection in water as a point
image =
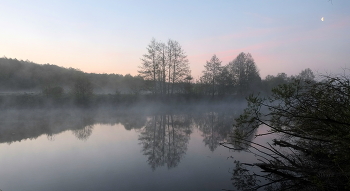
(216, 126)
(83, 128)
(84, 133)
(163, 135)
(165, 138)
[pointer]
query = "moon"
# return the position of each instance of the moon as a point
(322, 19)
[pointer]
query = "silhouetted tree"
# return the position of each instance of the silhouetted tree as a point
(271, 81)
(245, 73)
(211, 74)
(226, 82)
(166, 65)
(306, 75)
(149, 68)
(178, 64)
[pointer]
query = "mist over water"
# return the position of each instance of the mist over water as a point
(136, 148)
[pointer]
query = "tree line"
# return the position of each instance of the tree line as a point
(164, 71)
(26, 76)
(166, 67)
(240, 76)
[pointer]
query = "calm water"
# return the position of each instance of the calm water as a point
(136, 149)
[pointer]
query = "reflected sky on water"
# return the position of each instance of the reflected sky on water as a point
(109, 150)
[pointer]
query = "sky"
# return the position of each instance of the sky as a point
(111, 36)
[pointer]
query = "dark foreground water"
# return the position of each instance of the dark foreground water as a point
(139, 149)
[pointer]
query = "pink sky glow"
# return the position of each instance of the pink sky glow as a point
(112, 37)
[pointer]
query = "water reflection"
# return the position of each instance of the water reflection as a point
(164, 139)
(83, 133)
(163, 135)
(215, 126)
(17, 125)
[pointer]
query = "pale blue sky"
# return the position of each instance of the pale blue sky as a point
(111, 36)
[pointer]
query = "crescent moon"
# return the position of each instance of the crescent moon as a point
(322, 19)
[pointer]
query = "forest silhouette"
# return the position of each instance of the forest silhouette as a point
(164, 77)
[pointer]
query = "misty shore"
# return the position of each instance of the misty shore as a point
(31, 100)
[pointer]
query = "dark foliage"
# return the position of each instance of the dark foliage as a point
(27, 84)
(311, 121)
(82, 90)
(20, 76)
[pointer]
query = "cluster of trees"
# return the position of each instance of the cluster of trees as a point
(310, 123)
(166, 65)
(240, 76)
(164, 70)
(271, 81)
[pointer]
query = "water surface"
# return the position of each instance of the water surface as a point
(116, 149)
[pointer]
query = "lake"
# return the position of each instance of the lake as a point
(118, 149)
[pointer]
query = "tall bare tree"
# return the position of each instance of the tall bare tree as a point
(149, 68)
(179, 64)
(165, 64)
(163, 67)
